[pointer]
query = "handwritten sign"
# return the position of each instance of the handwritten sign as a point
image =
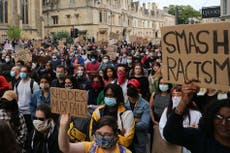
(72, 101)
(197, 51)
(113, 35)
(37, 44)
(23, 54)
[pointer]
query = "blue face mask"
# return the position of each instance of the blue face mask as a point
(12, 74)
(105, 142)
(110, 101)
(163, 87)
(93, 60)
(23, 75)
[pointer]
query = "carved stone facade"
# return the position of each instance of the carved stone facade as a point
(225, 10)
(98, 18)
(25, 14)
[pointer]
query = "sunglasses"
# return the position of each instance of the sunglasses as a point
(39, 118)
(221, 118)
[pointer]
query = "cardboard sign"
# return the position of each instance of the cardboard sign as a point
(111, 50)
(72, 101)
(37, 44)
(199, 52)
(165, 147)
(23, 54)
(113, 35)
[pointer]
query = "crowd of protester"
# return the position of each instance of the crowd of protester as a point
(129, 87)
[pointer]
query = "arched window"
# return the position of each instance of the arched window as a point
(24, 9)
(3, 11)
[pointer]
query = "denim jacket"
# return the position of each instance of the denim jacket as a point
(141, 111)
(37, 99)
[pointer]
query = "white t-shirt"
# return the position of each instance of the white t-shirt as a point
(24, 95)
(194, 120)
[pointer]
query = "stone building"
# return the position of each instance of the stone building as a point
(101, 18)
(25, 14)
(225, 10)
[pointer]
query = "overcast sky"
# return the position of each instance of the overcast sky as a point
(196, 4)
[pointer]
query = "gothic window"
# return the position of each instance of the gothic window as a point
(24, 9)
(3, 11)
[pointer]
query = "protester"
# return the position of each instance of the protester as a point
(139, 74)
(95, 93)
(14, 73)
(9, 112)
(60, 74)
(159, 101)
(213, 133)
(44, 137)
(105, 63)
(140, 109)
(114, 106)
(24, 90)
(191, 115)
(42, 95)
(105, 138)
(82, 81)
(122, 78)
(110, 75)
(70, 82)
(4, 85)
(8, 142)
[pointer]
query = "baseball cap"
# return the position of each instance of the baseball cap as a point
(135, 83)
(10, 95)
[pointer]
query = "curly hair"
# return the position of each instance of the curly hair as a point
(206, 123)
(117, 91)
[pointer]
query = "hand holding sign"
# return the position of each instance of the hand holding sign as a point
(72, 101)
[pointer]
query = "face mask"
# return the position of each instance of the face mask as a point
(7, 60)
(60, 76)
(110, 101)
(96, 85)
(54, 58)
(105, 60)
(80, 73)
(132, 92)
(159, 54)
(93, 60)
(76, 55)
(129, 61)
(12, 74)
(34, 65)
(221, 96)
(40, 126)
(44, 85)
(121, 77)
(105, 142)
(23, 75)
(163, 87)
(69, 86)
(176, 100)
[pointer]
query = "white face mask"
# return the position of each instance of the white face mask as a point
(41, 126)
(7, 60)
(176, 100)
(44, 85)
(221, 96)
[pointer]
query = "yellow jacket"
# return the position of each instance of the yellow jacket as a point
(125, 121)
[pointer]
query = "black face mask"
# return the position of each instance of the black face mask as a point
(132, 92)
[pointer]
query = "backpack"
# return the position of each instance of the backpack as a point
(94, 147)
(31, 86)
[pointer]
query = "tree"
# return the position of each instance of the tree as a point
(14, 33)
(184, 13)
(63, 34)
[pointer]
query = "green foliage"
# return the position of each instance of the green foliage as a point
(63, 34)
(184, 13)
(14, 33)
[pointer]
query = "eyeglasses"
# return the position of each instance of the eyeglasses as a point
(39, 118)
(221, 118)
